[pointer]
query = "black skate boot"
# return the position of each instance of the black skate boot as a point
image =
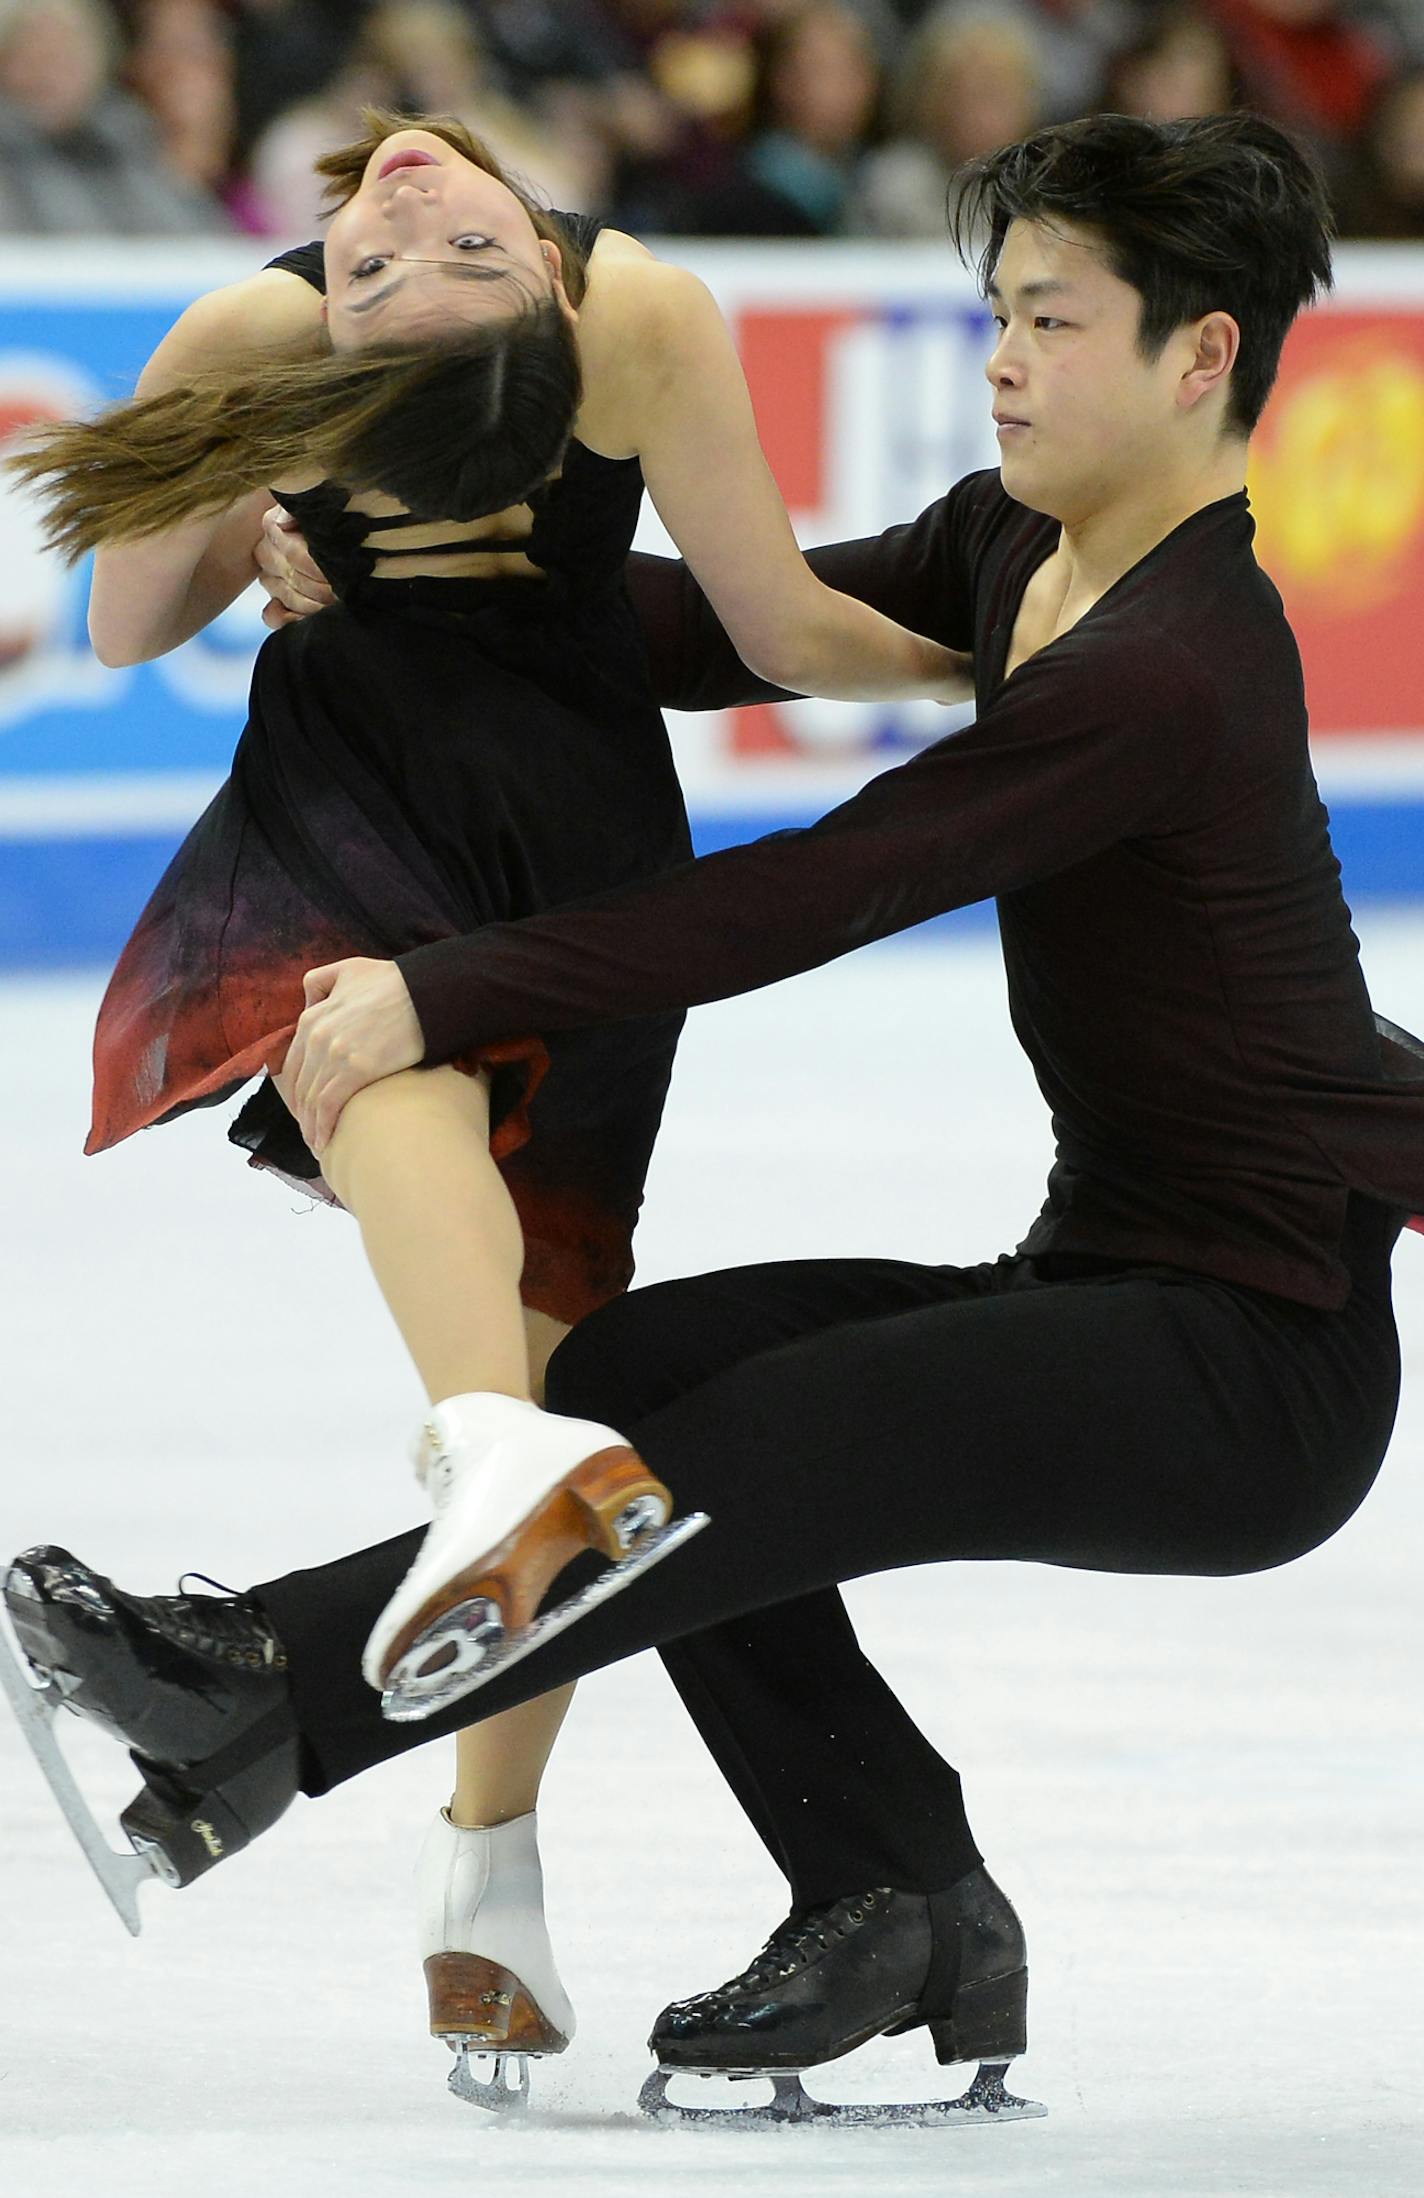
(829, 1979)
(193, 1686)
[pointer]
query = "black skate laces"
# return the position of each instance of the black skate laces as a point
(802, 1937)
(224, 1626)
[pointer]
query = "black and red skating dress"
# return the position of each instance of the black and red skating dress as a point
(424, 757)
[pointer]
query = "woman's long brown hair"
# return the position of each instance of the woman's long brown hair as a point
(251, 422)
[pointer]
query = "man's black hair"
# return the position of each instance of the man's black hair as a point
(1220, 214)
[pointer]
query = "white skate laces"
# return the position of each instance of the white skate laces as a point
(459, 1433)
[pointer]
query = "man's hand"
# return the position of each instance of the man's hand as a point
(288, 571)
(359, 1026)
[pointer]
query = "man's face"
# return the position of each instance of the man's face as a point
(427, 237)
(1083, 412)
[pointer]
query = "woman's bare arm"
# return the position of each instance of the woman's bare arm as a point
(152, 594)
(677, 383)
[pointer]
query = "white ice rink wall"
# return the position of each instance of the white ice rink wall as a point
(866, 367)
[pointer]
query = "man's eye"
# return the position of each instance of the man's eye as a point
(472, 241)
(366, 267)
(1046, 320)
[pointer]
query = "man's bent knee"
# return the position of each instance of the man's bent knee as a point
(633, 1356)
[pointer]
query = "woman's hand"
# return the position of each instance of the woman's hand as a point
(287, 570)
(359, 1025)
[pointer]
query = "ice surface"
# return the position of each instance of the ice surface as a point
(1207, 1798)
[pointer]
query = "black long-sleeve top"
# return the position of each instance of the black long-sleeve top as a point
(1138, 797)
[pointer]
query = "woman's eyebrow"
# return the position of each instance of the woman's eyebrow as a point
(364, 305)
(465, 268)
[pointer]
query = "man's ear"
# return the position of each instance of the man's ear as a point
(1217, 348)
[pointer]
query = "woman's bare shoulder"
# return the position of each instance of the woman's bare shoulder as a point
(632, 283)
(629, 319)
(616, 244)
(270, 306)
(267, 312)
(641, 304)
(640, 322)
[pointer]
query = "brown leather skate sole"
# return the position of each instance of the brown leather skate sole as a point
(581, 1514)
(474, 1998)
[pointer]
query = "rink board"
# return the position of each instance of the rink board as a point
(866, 366)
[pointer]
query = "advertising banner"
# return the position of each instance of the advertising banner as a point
(866, 368)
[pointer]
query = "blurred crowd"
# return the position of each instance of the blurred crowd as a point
(763, 118)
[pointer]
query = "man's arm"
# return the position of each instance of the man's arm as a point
(1066, 760)
(911, 574)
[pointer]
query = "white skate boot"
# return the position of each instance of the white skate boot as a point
(489, 1967)
(518, 1492)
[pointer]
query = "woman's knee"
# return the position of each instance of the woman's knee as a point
(418, 1094)
(409, 1109)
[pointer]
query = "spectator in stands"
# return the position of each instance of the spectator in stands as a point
(1388, 195)
(1075, 40)
(968, 82)
(181, 65)
(286, 52)
(1179, 66)
(538, 43)
(590, 76)
(1309, 64)
(433, 53)
(766, 112)
(418, 56)
(78, 156)
(815, 112)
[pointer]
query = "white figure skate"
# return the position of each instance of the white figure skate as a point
(518, 1493)
(489, 1968)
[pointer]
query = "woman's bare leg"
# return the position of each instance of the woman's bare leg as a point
(410, 1160)
(499, 1764)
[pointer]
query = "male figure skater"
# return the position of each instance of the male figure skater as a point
(1189, 1365)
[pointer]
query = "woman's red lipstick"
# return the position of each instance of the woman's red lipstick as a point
(411, 158)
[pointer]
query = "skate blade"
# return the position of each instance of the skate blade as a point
(35, 1706)
(497, 2093)
(481, 1649)
(986, 2100)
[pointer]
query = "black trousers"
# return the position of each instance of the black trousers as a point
(845, 1417)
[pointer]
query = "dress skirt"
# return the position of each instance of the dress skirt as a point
(414, 767)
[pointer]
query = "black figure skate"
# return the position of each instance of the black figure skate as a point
(193, 1686)
(829, 1979)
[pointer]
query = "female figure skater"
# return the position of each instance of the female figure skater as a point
(459, 399)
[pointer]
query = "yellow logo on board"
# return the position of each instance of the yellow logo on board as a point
(1337, 482)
